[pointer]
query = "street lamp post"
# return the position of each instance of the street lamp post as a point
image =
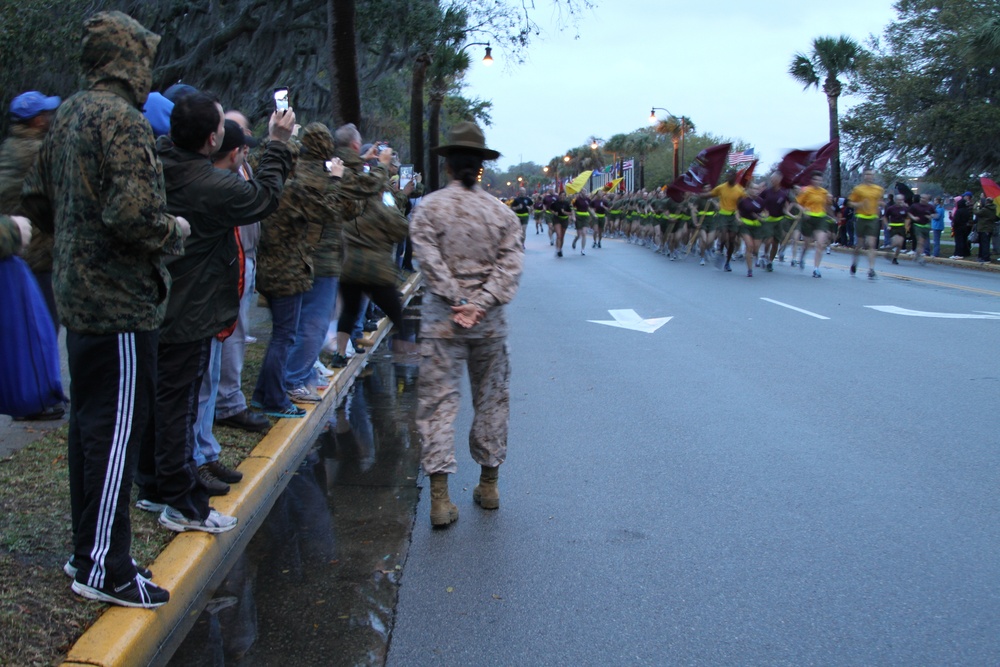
(434, 120)
(683, 120)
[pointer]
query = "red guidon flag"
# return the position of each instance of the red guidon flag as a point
(745, 177)
(703, 172)
(796, 168)
(990, 189)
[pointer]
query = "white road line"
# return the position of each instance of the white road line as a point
(785, 305)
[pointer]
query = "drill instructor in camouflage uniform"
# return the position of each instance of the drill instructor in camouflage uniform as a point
(98, 186)
(469, 247)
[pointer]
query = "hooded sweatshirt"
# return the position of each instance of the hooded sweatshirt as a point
(98, 186)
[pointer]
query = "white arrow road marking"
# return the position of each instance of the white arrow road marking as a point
(799, 310)
(895, 310)
(629, 319)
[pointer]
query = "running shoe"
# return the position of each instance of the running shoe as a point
(70, 569)
(895, 261)
(727, 268)
(559, 253)
(770, 267)
(854, 269)
(750, 273)
(323, 370)
(290, 412)
(338, 360)
(702, 262)
(574, 244)
(871, 274)
(213, 523)
(303, 395)
(817, 274)
(140, 593)
(147, 505)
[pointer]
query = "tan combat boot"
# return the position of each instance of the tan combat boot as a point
(486, 493)
(443, 511)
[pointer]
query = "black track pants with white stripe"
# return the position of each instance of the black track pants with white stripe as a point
(112, 393)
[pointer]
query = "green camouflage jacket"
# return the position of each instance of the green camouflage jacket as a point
(99, 186)
(300, 224)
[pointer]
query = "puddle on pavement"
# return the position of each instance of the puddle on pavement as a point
(318, 583)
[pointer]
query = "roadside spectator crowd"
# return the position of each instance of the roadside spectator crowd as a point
(148, 246)
(973, 222)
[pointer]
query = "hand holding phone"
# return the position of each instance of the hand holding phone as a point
(281, 125)
(281, 99)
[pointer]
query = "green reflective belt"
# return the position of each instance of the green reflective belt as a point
(751, 223)
(706, 213)
(815, 215)
(773, 219)
(723, 212)
(866, 217)
(922, 226)
(896, 224)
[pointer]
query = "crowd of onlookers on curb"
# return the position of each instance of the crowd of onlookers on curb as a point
(965, 219)
(148, 222)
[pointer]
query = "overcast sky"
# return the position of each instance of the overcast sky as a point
(723, 64)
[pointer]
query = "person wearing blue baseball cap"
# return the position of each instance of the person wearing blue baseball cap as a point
(157, 111)
(30, 114)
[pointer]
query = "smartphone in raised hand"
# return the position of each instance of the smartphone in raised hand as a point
(281, 99)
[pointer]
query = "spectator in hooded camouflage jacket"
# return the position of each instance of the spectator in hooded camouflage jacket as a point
(98, 186)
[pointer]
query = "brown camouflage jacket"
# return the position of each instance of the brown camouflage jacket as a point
(99, 186)
(469, 247)
(372, 224)
(10, 237)
(17, 155)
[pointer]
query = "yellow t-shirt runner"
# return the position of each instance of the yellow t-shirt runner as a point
(729, 196)
(865, 198)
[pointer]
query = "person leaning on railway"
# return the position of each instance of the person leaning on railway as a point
(98, 187)
(469, 248)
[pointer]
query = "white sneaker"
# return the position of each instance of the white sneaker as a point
(303, 395)
(214, 523)
(322, 370)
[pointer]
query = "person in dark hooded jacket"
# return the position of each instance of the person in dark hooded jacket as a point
(98, 186)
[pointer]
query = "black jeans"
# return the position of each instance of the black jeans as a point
(113, 393)
(384, 296)
(984, 246)
(167, 471)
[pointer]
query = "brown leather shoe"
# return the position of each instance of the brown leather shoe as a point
(227, 475)
(214, 485)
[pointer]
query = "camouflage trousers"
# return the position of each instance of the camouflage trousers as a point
(439, 390)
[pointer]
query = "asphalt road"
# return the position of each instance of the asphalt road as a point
(747, 485)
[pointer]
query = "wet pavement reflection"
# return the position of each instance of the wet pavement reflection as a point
(318, 583)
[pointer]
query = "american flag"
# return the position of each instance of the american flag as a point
(738, 158)
(627, 164)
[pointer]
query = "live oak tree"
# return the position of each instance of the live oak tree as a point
(931, 87)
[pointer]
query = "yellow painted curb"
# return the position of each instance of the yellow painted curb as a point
(124, 637)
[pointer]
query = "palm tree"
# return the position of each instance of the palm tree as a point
(830, 59)
(446, 68)
(675, 128)
(642, 143)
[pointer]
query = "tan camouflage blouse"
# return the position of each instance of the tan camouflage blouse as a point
(469, 247)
